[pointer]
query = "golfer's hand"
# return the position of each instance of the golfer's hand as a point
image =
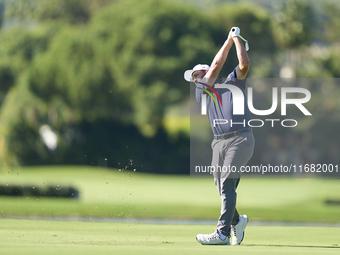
(230, 35)
(235, 32)
(230, 38)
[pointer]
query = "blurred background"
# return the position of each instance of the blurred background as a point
(93, 106)
(100, 82)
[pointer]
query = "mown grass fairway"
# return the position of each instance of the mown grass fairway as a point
(111, 193)
(73, 237)
(121, 194)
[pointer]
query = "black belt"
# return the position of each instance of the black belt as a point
(231, 134)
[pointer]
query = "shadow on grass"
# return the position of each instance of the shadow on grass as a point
(295, 246)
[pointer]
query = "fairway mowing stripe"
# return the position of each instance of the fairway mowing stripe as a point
(168, 221)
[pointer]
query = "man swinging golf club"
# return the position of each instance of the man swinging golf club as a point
(233, 142)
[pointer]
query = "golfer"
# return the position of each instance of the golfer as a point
(233, 142)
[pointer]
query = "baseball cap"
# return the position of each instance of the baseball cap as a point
(188, 73)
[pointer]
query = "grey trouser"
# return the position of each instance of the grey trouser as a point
(231, 153)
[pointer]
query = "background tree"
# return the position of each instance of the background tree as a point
(116, 72)
(69, 11)
(292, 25)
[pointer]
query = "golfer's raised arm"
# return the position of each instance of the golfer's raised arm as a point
(243, 59)
(219, 61)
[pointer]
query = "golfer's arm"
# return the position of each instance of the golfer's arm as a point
(243, 59)
(218, 62)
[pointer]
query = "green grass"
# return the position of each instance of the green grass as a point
(73, 237)
(112, 193)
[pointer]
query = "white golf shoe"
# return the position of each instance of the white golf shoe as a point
(237, 231)
(213, 238)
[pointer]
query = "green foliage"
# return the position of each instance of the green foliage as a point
(18, 49)
(89, 74)
(2, 10)
(73, 69)
(332, 62)
(72, 11)
(25, 144)
(6, 80)
(292, 25)
(133, 75)
(69, 11)
(19, 46)
(20, 9)
(331, 22)
(150, 53)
